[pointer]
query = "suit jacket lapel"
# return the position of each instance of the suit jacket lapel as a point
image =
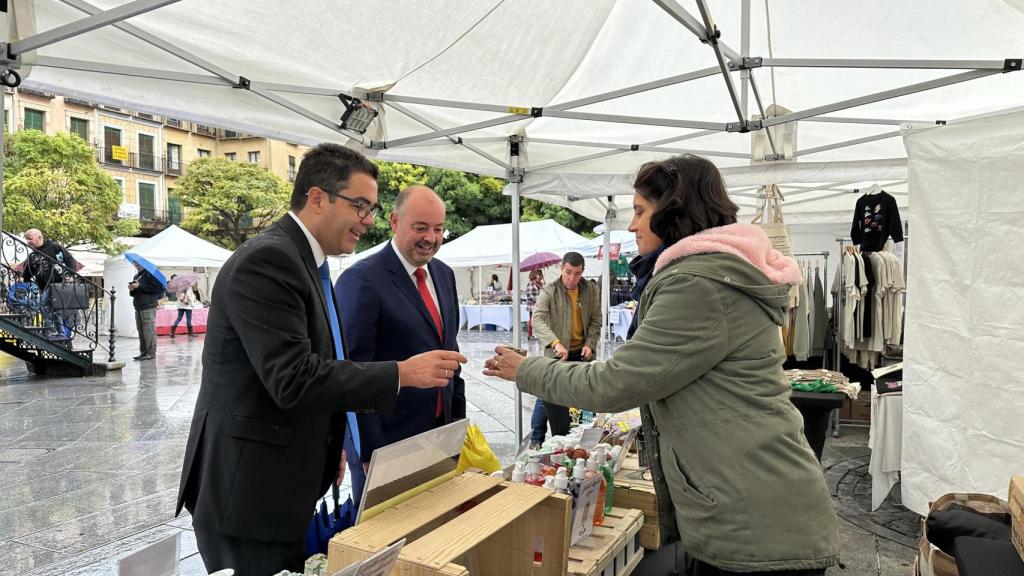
(294, 233)
(404, 282)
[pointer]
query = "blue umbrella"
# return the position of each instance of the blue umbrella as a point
(147, 266)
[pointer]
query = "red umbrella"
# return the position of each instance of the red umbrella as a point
(538, 261)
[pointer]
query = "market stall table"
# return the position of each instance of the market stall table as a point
(165, 317)
(816, 407)
(500, 315)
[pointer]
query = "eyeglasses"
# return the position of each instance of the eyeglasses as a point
(363, 208)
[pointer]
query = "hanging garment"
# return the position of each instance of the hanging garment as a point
(802, 336)
(820, 317)
(869, 297)
(876, 218)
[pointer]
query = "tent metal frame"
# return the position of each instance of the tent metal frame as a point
(728, 61)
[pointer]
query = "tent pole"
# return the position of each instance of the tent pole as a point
(480, 298)
(606, 282)
(452, 139)
(515, 177)
(92, 22)
(846, 143)
(744, 52)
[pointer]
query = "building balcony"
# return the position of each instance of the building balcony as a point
(147, 162)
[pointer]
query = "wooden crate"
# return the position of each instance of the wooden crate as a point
(469, 525)
(632, 491)
(613, 549)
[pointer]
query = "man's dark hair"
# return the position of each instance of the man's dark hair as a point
(328, 167)
(688, 194)
(572, 259)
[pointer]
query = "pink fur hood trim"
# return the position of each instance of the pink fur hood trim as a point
(747, 241)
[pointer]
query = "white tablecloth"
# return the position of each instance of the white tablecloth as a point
(473, 315)
(886, 442)
(619, 319)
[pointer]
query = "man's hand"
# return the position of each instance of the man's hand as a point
(430, 369)
(561, 352)
(133, 285)
(586, 353)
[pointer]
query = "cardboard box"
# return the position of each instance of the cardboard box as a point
(613, 549)
(1016, 500)
(632, 491)
(471, 524)
(860, 409)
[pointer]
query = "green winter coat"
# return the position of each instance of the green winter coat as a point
(729, 453)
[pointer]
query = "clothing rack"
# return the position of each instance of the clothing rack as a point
(824, 255)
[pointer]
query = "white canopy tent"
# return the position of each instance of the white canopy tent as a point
(173, 250)
(497, 87)
(487, 245)
(625, 239)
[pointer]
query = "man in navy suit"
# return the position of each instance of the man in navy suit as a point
(395, 304)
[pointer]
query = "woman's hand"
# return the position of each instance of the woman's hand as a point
(504, 364)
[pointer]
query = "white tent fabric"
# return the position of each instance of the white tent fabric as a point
(511, 60)
(171, 249)
(489, 245)
(625, 239)
(962, 392)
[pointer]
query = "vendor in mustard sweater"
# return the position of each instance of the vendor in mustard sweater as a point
(567, 321)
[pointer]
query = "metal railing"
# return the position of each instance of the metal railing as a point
(49, 295)
(159, 216)
(150, 162)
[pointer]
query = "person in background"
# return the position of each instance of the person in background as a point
(46, 266)
(395, 304)
(533, 289)
(185, 300)
(494, 285)
(146, 292)
(736, 481)
(567, 321)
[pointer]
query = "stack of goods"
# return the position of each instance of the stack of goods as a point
(563, 468)
(821, 381)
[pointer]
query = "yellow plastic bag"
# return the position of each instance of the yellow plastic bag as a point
(476, 453)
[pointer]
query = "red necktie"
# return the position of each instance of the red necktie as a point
(428, 301)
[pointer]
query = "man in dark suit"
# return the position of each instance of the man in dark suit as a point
(266, 437)
(398, 303)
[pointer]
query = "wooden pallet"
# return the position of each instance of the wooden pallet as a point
(613, 549)
(632, 491)
(469, 525)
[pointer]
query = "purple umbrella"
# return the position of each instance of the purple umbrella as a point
(538, 261)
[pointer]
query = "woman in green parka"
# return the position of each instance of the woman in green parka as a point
(728, 453)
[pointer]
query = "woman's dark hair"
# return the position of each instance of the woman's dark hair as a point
(688, 194)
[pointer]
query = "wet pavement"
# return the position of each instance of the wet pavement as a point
(89, 467)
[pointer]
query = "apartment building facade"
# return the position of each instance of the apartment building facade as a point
(145, 154)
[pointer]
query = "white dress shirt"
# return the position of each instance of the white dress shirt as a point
(410, 270)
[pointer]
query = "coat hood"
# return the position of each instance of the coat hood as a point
(740, 256)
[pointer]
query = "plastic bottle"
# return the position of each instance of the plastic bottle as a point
(561, 481)
(533, 475)
(519, 473)
(609, 477)
(549, 482)
(594, 468)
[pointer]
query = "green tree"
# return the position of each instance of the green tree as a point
(471, 200)
(229, 202)
(54, 183)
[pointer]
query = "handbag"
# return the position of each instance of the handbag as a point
(769, 218)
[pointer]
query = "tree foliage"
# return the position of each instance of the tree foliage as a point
(229, 202)
(471, 200)
(54, 183)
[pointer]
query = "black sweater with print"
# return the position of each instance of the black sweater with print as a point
(875, 219)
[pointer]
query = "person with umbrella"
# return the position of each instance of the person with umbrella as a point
(146, 288)
(187, 296)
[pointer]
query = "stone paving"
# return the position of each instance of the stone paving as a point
(89, 467)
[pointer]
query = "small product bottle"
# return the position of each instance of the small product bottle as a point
(549, 482)
(519, 473)
(609, 477)
(533, 475)
(594, 468)
(561, 481)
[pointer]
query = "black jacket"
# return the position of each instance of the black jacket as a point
(47, 263)
(267, 433)
(149, 292)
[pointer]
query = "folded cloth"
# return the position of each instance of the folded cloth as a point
(946, 526)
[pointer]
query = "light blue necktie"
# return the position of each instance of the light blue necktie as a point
(332, 313)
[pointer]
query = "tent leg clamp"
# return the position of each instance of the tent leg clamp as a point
(774, 156)
(376, 144)
(743, 127)
(1012, 64)
(515, 175)
(747, 63)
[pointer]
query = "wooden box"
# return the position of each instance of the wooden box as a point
(632, 491)
(469, 525)
(1016, 500)
(613, 549)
